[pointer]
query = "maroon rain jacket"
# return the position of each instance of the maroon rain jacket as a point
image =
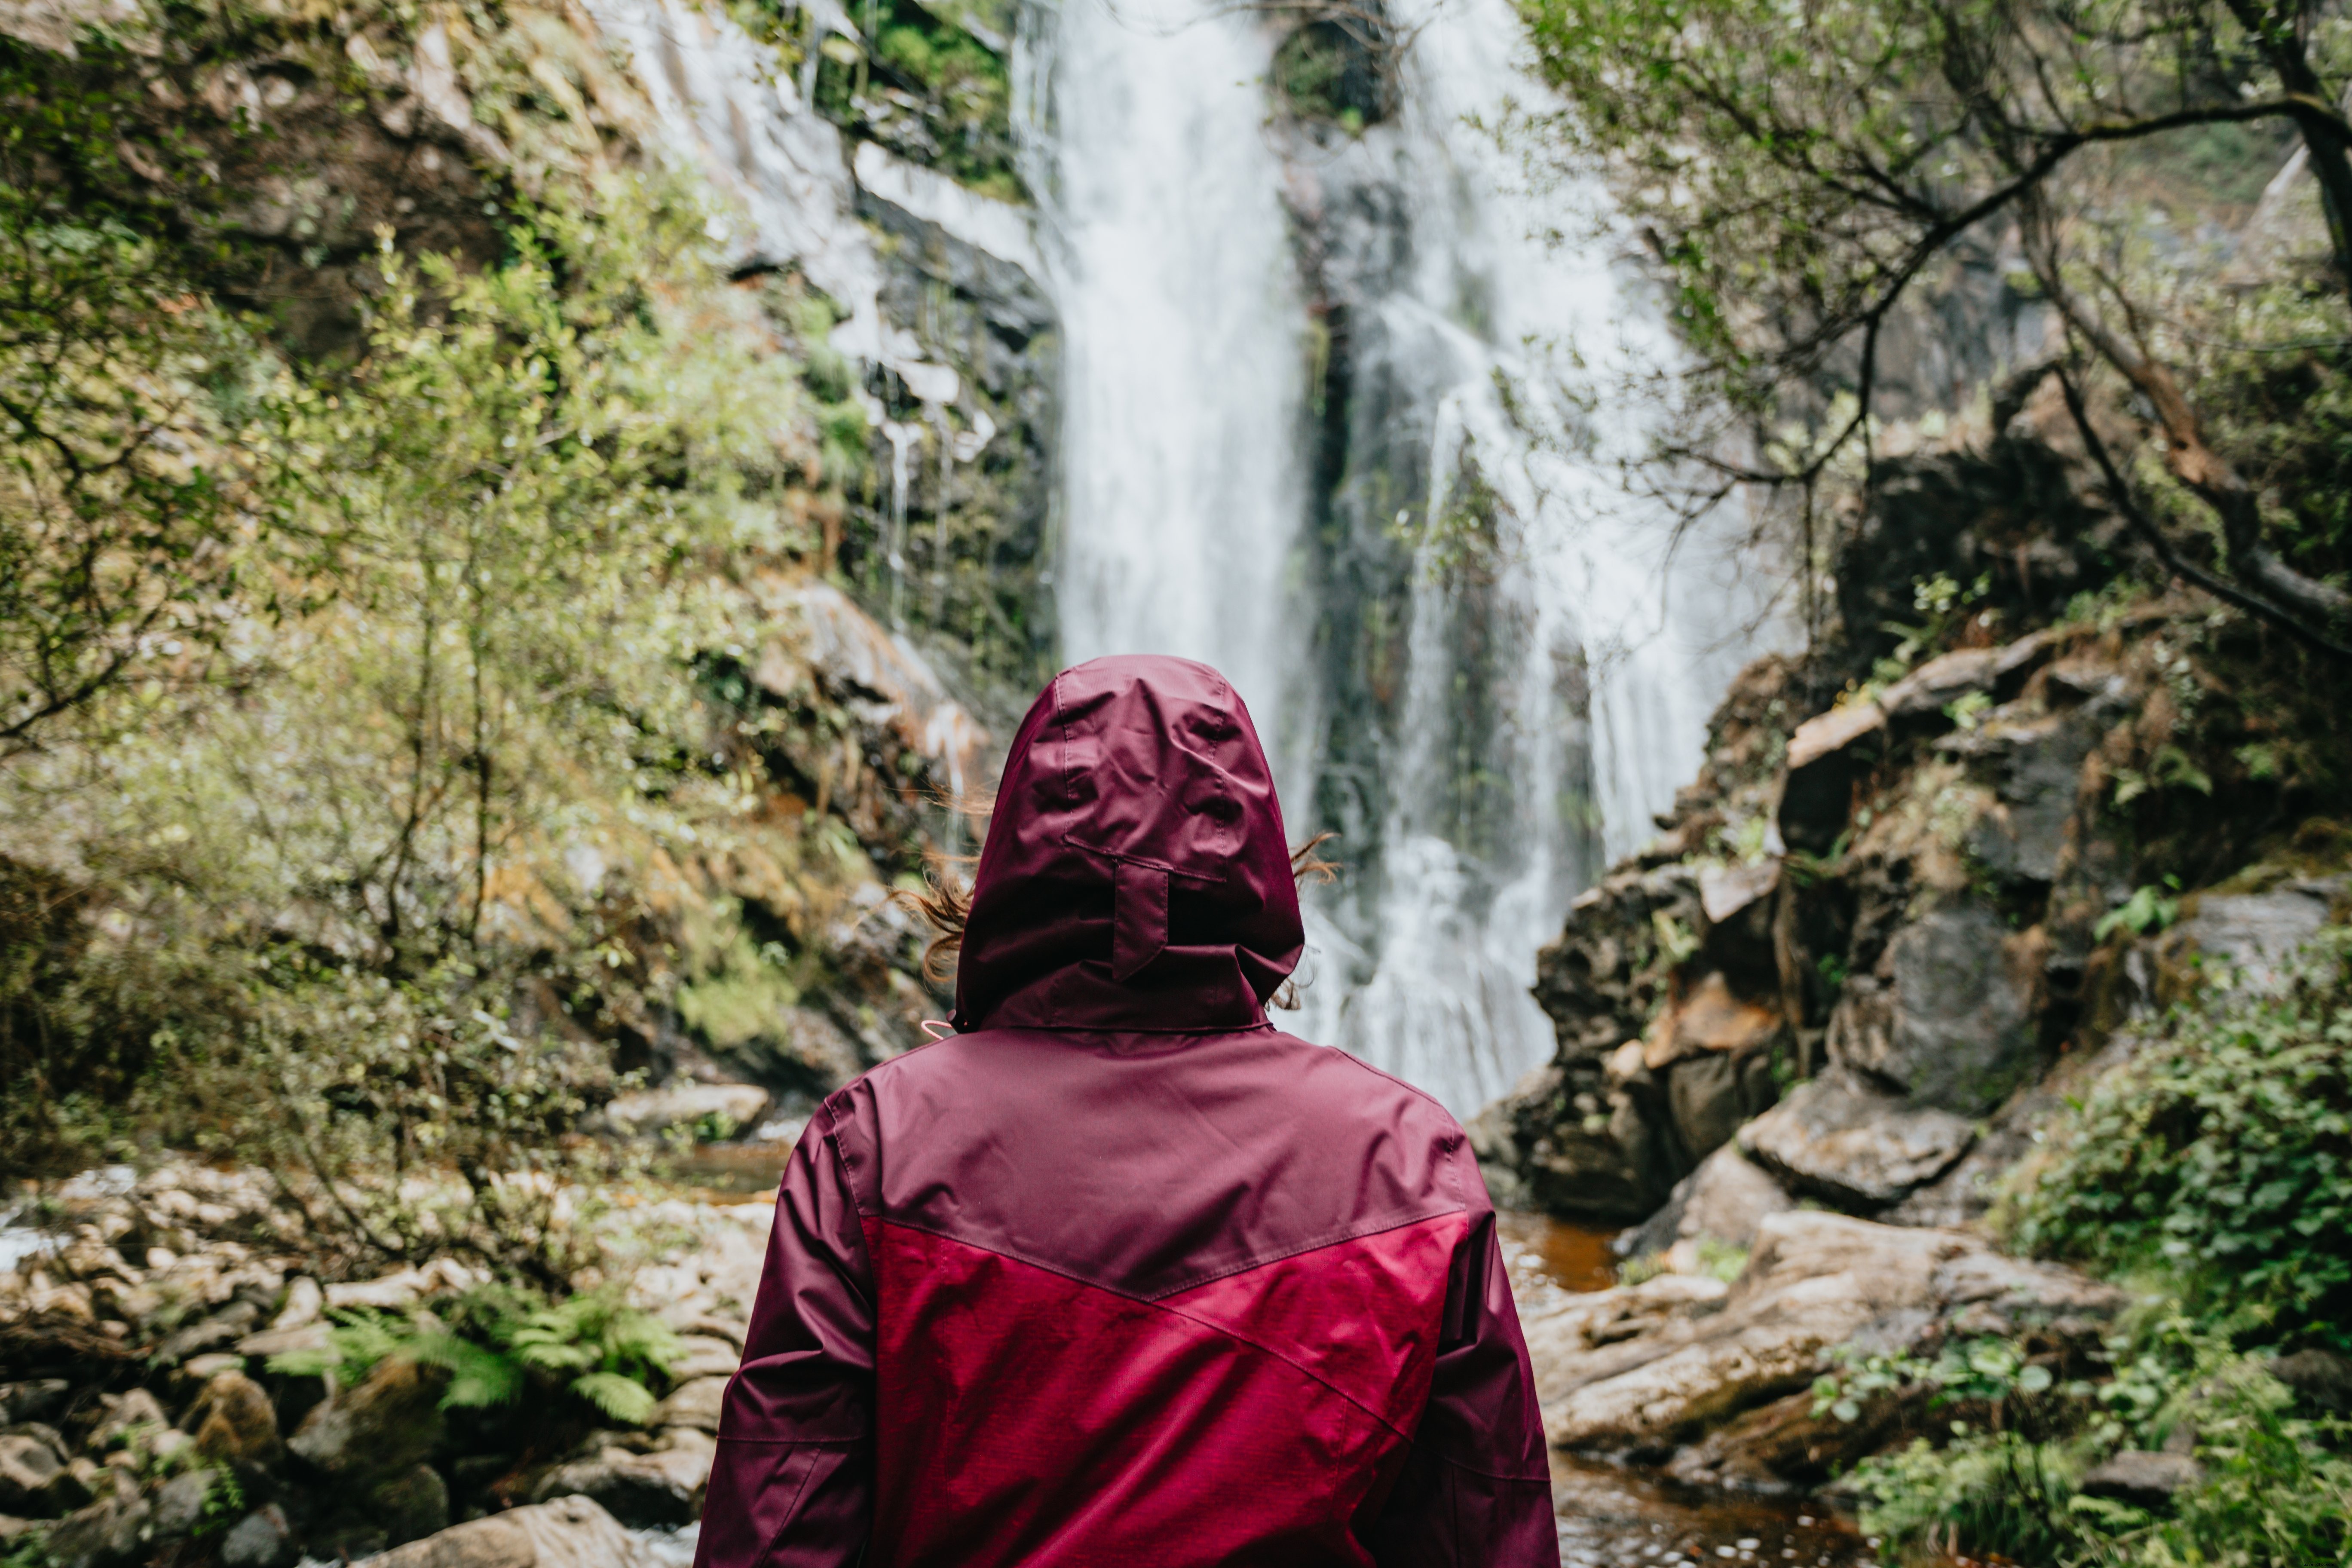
(1117, 1274)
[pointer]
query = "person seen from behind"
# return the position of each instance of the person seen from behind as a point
(1118, 1273)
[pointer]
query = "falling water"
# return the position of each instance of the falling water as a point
(1186, 495)
(1527, 714)
(1183, 329)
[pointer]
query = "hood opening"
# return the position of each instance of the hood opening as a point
(1136, 875)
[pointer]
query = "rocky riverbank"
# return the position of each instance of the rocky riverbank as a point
(164, 1398)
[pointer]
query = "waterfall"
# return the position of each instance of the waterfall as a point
(1327, 421)
(1544, 711)
(1184, 350)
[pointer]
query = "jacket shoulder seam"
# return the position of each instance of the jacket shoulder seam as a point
(1372, 1228)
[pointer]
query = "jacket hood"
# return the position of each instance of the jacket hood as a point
(1136, 875)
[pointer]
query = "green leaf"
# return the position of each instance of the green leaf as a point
(623, 1399)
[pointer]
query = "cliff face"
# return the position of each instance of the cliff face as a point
(870, 591)
(1925, 866)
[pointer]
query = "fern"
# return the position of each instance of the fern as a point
(623, 1398)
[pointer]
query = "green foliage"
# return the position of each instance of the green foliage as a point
(2147, 909)
(2223, 1154)
(1808, 177)
(119, 493)
(2272, 1489)
(497, 1342)
(959, 87)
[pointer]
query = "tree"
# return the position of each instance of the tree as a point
(1803, 169)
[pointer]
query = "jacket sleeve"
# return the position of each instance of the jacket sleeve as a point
(792, 1484)
(1476, 1488)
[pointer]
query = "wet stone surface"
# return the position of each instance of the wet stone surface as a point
(1616, 1518)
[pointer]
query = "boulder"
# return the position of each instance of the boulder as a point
(410, 1505)
(389, 1421)
(262, 1539)
(1949, 1017)
(2247, 939)
(2143, 1478)
(1782, 1447)
(705, 1355)
(1709, 1096)
(1829, 754)
(2323, 1377)
(34, 1478)
(2037, 766)
(180, 1504)
(684, 1105)
(570, 1532)
(235, 1423)
(106, 1534)
(660, 1490)
(1696, 1358)
(128, 1415)
(1724, 1200)
(694, 1404)
(304, 1302)
(223, 1329)
(38, 1400)
(1839, 1140)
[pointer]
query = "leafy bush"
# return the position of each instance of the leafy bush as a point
(2273, 1492)
(497, 1342)
(2223, 1156)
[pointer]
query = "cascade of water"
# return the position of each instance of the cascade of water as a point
(1553, 694)
(1184, 352)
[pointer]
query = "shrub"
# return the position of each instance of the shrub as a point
(2221, 1155)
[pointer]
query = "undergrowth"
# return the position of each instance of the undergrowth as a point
(497, 1342)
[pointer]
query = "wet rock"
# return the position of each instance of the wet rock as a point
(410, 1506)
(304, 1302)
(2142, 1479)
(34, 1479)
(2037, 771)
(1948, 1019)
(1710, 1097)
(685, 1105)
(1840, 1139)
(1814, 1281)
(235, 1423)
(570, 1532)
(1828, 756)
(106, 1534)
(2244, 938)
(659, 1490)
(128, 1415)
(1783, 1448)
(38, 1400)
(705, 1355)
(262, 1539)
(223, 1328)
(388, 1422)
(694, 1404)
(179, 1508)
(1724, 1200)
(2321, 1376)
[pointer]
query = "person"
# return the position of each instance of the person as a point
(1117, 1273)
